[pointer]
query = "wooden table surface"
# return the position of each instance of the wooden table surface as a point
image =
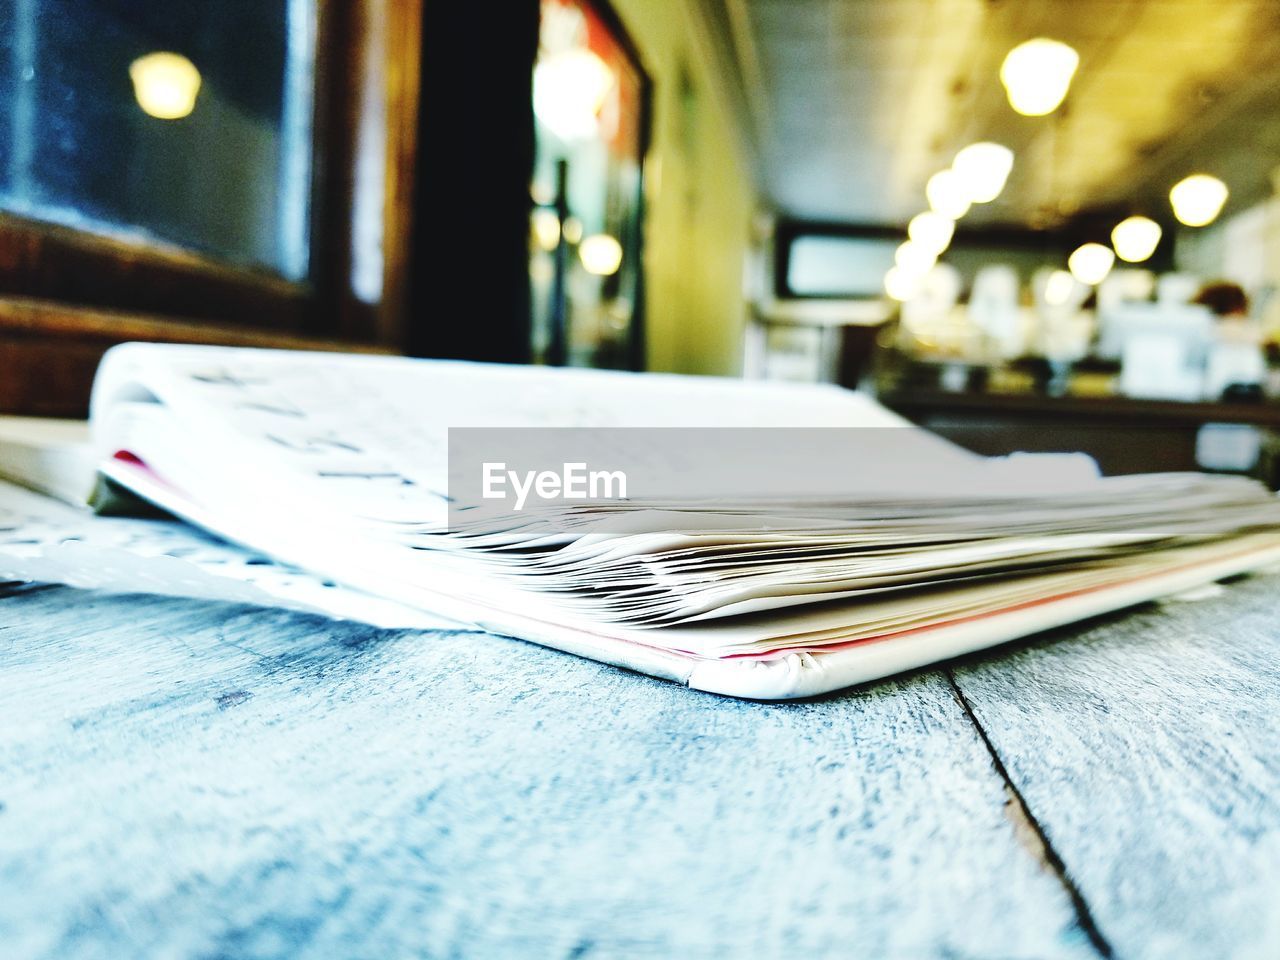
(183, 779)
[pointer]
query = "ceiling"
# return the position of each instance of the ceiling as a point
(855, 103)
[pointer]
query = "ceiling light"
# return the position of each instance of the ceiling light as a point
(947, 194)
(1058, 288)
(165, 84)
(1136, 238)
(601, 254)
(983, 169)
(1198, 200)
(931, 231)
(902, 285)
(1036, 75)
(1091, 263)
(569, 88)
(911, 257)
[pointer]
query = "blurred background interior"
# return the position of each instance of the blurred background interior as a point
(1027, 224)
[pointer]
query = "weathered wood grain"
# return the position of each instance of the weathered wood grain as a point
(192, 780)
(1148, 749)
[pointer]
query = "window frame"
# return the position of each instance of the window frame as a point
(1056, 242)
(58, 283)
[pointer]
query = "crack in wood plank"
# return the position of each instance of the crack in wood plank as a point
(1029, 833)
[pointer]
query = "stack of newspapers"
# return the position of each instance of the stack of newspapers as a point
(751, 539)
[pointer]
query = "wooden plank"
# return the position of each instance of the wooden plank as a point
(49, 351)
(1147, 747)
(190, 779)
(24, 318)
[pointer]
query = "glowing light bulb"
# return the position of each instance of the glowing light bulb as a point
(1058, 288)
(1135, 239)
(1198, 199)
(1091, 263)
(931, 231)
(1036, 75)
(947, 194)
(912, 258)
(983, 169)
(546, 229)
(568, 90)
(902, 285)
(541, 194)
(601, 254)
(165, 84)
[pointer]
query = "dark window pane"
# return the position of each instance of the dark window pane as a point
(839, 266)
(99, 131)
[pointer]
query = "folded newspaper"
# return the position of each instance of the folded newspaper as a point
(751, 539)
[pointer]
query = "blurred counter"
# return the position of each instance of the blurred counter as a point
(1029, 407)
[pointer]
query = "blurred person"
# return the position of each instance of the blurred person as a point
(1236, 366)
(1230, 304)
(1224, 298)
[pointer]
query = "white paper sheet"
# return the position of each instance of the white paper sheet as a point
(42, 540)
(337, 463)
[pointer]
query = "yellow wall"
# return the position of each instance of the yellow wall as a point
(700, 197)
